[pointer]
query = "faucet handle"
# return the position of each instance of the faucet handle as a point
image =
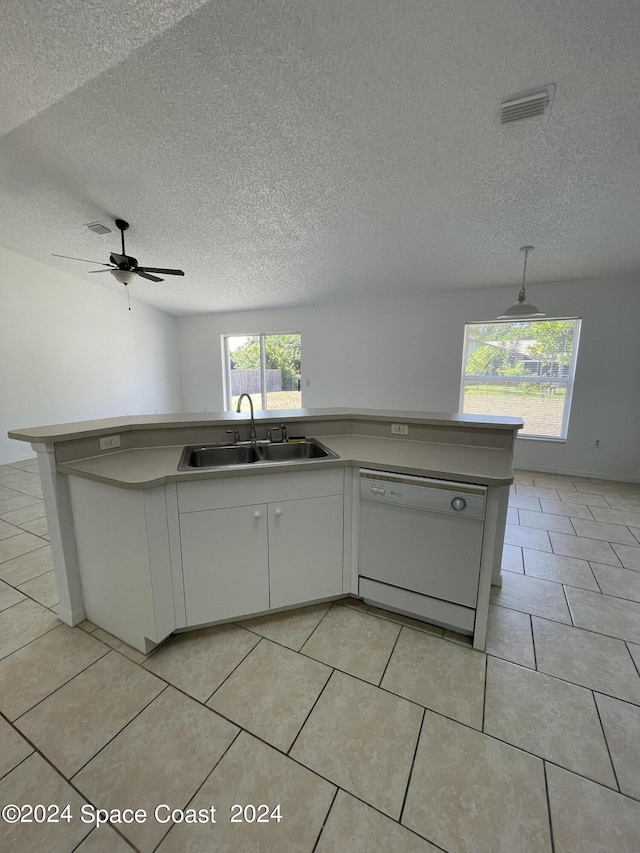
(284, 432)
(236, 435)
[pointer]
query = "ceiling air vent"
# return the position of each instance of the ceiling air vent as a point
(526, 105)
(98, 228)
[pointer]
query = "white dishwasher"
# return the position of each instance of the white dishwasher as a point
(420, 546)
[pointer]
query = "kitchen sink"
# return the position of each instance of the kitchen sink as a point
(224, 455)
(289, 451)
(214, 456)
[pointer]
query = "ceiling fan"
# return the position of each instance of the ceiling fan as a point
(124, 268)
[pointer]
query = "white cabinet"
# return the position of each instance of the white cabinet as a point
(155, 560)
(124, 560)
(251, 557)
(225, 562)
(305, 550)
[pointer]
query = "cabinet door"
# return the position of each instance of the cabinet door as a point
(225, 563)
(305, 549)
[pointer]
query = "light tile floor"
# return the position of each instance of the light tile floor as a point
(372, 732)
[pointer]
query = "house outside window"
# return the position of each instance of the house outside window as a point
(265, 366)
(524, 369)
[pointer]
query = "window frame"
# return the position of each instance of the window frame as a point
(567, 383)
(226, 366)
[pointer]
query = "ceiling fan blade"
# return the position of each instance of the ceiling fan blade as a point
(84, 260)
(143, 274)
(160, 269)
(109, 270)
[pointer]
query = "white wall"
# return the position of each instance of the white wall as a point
(406, 353)
(70, 351)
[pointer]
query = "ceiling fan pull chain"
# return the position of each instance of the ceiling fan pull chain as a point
(128, 296)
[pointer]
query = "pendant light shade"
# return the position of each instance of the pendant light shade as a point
(522, 310)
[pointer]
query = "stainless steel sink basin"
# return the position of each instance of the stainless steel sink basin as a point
(290, 451)
(224, 455)
(214, 456)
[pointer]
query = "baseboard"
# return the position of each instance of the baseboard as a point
(70, 617)
(593, 475)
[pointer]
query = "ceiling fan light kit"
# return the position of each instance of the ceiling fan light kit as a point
(522, 310)
(123, 276)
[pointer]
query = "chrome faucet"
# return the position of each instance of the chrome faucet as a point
(252, 432)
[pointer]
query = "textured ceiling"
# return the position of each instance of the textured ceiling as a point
(290, 152)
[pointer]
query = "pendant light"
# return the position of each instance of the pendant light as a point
(522, 310)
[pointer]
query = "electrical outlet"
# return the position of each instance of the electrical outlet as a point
(109, 442)
(400, 429)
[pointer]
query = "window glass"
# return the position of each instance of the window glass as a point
(524, 369)
(267, 367)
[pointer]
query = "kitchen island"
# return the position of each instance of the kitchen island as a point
(143, 550)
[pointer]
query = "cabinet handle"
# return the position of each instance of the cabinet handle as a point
(278, 512)
(257, 514)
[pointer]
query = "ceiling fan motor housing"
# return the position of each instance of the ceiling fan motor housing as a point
(125, 267)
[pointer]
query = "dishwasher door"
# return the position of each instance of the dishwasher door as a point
(422, 535)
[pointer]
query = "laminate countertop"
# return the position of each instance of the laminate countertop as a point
(143, 468)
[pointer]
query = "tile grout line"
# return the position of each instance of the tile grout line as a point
(60, 686)
(52, 628)
(19, 530)
(31, 598)
(606, 742)
(22, 761)
(610, 695)
(129, 843)
(413, 761)
(119, 732)
(595, 577)
(311, 710)
(201, 785)
(484, 690)
(533, 643)
(224, 680)
(549, 813)
(322, 618)
(566, 598)
(344, 671)
(326, 818)
(45, 543)
(386, 666)
(633, 661)
(256, 633)
(35, 577)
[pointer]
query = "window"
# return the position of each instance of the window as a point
(524, 370)
(267, 367)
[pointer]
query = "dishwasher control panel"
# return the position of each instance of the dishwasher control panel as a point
(423, 493)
